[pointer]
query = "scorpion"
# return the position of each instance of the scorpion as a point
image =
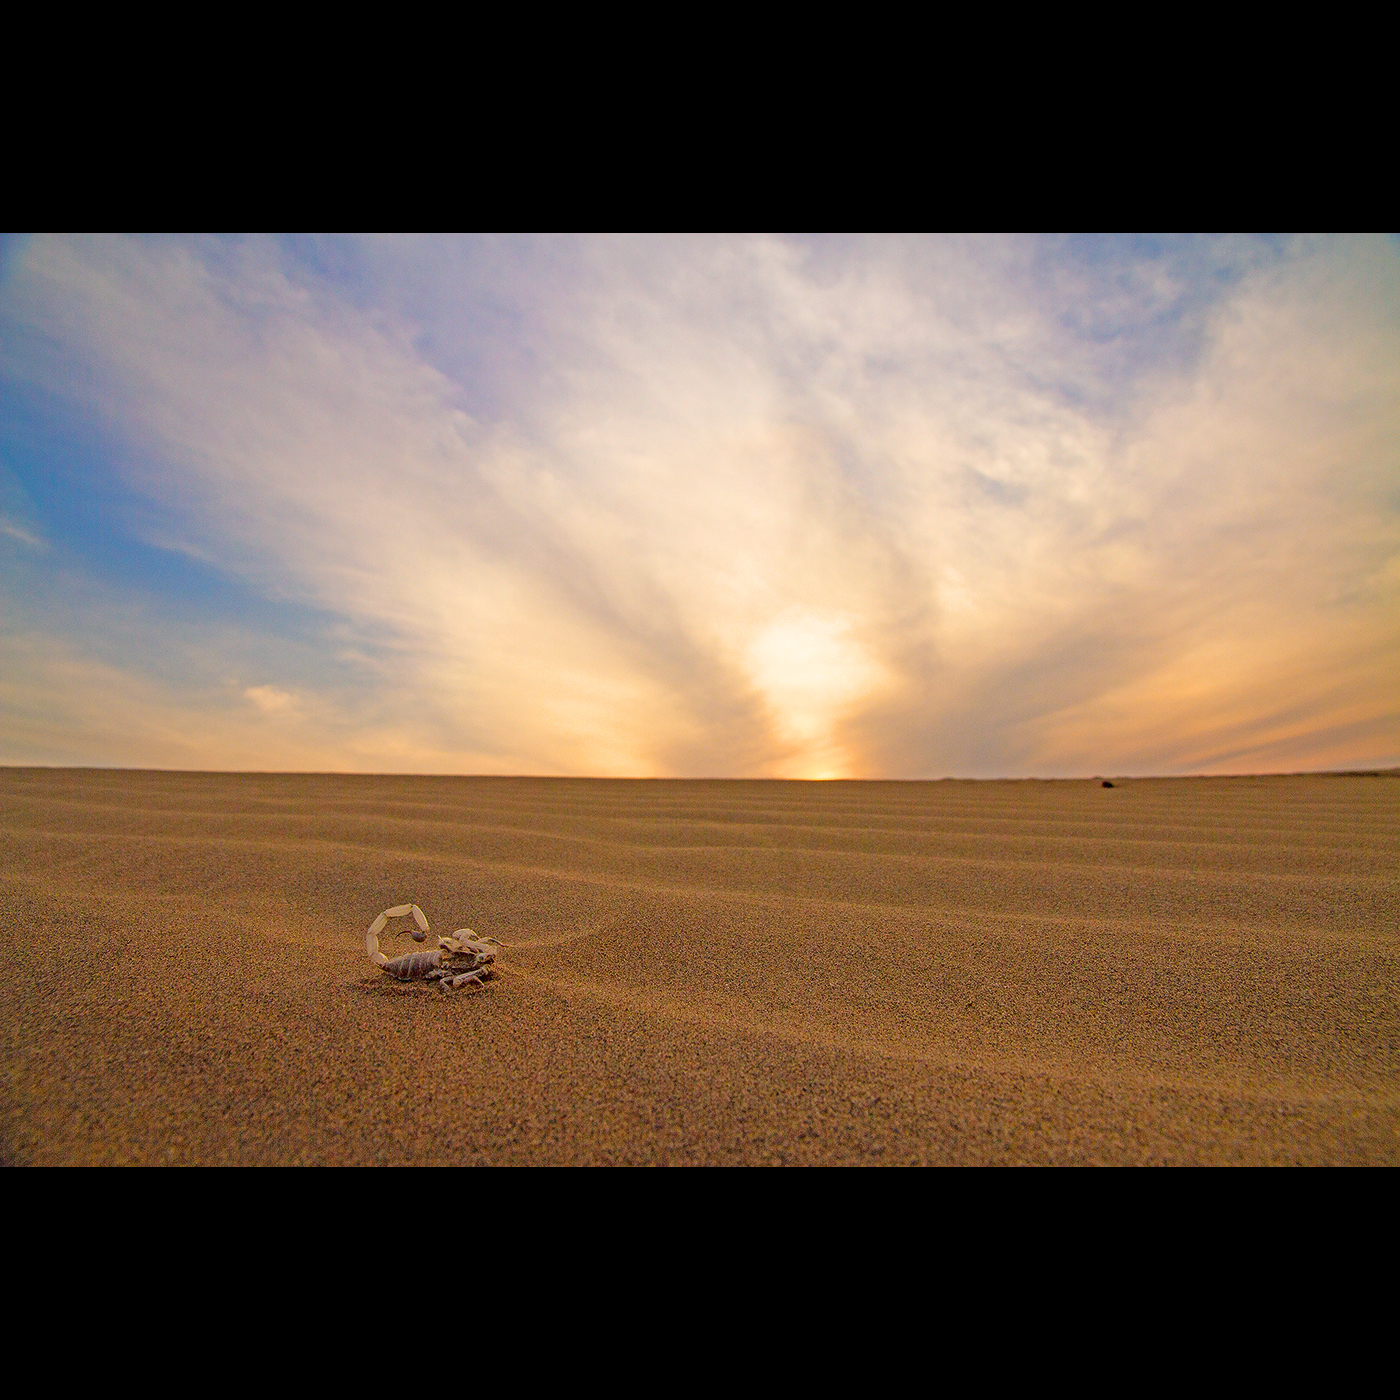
(455, 961)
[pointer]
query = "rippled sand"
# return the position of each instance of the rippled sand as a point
(1194, 970)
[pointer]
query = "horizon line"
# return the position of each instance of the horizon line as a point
(1376, 772)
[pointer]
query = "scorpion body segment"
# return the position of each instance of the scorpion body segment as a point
(412, 966)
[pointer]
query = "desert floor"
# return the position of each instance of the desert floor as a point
(1168, 971)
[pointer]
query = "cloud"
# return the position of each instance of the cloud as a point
(269, 699)
(15, 532)
(756, 506)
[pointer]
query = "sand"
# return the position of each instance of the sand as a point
(1168, 971)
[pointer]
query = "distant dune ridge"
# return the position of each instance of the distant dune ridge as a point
(1168, 971)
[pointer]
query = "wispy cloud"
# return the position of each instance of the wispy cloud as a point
(748, 506)
(14, 532)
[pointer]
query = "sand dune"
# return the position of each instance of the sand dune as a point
(1192, 971)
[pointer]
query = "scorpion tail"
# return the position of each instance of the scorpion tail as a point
(399, 911)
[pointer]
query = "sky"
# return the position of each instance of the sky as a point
(767, 506)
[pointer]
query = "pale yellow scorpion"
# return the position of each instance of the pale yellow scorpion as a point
(455, 961)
